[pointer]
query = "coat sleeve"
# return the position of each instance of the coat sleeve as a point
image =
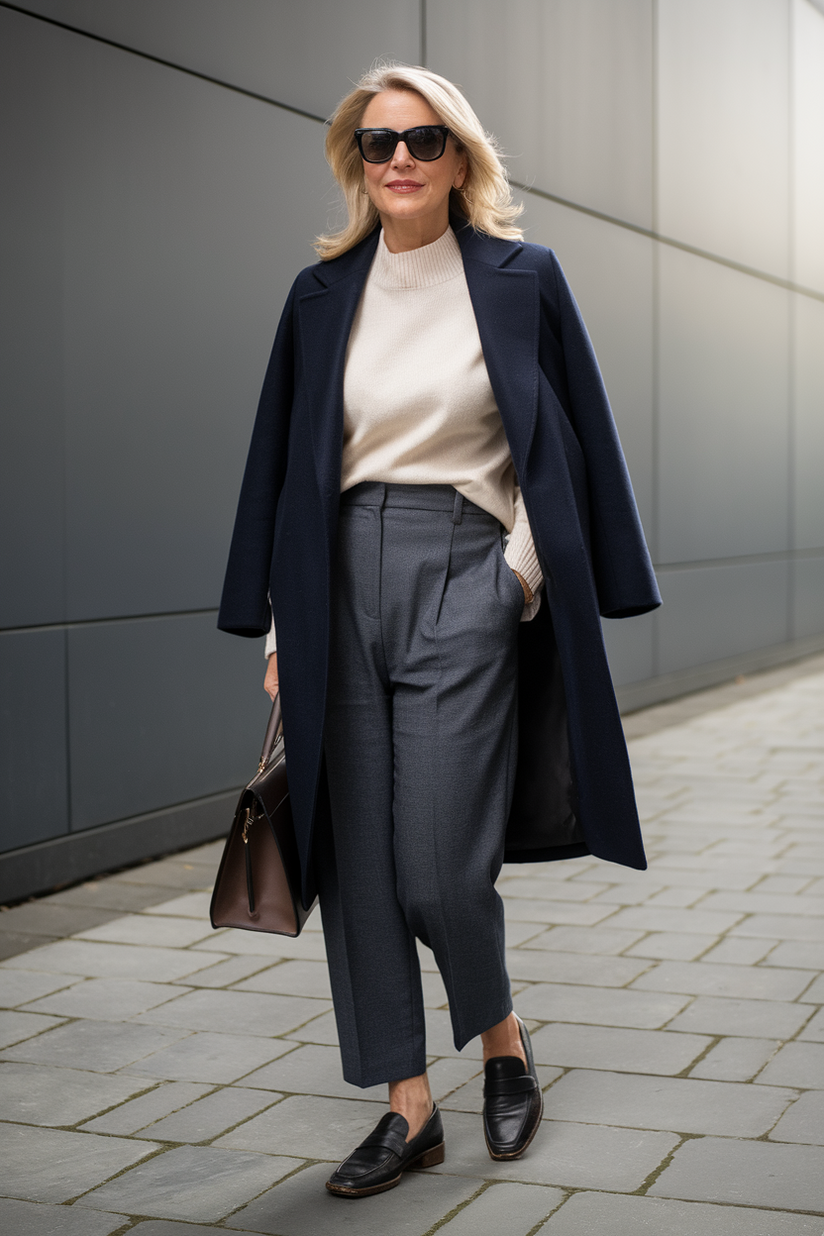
(244, 606)
(624, 577)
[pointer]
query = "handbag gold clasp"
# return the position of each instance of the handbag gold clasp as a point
(247, 823)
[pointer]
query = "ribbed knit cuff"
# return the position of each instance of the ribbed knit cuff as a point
(521, 556)
(271, 644)
(531, 610)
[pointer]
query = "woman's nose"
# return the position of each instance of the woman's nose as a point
(401, 157)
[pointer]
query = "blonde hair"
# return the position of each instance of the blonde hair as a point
(484, 198)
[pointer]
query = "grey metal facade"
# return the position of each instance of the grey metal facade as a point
(163, 179)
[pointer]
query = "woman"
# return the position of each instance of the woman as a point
(432, 394)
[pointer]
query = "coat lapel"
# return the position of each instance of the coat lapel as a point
(507, 309)
(325, 318)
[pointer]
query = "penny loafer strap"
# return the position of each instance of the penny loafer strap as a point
(387, 1139)
(509, 1085)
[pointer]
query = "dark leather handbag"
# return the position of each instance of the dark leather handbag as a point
(258, 881)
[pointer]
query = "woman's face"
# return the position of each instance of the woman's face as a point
(412, 197)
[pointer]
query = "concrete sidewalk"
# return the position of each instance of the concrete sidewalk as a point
(162, 1078)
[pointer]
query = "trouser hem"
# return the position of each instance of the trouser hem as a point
(504, 1009)
(383, 1077)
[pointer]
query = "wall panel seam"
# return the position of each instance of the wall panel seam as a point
(167, 64)
(67, 723)
(97, 622)
(651, 234)
(791, 322)
(779, 555)
(655, 427)
(184, 804)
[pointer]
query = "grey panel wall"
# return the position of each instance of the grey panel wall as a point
(31, 349)
(33, 763)
(161, 711)
(303, 54)
(166, 357)
(808, 596)
(176, 235)
(723, 128)
(565, 86)
(723, 411)
(808, 143)
(808, 381)
(714, 612)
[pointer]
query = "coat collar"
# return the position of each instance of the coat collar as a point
(475, 246)
(478, 247)
(506, 304)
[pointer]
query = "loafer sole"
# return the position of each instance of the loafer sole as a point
(428, 1158)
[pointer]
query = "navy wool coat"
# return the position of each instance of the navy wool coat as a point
(573, 792)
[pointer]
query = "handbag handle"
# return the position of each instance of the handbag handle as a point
(273, 731)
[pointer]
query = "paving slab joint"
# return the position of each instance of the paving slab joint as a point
(779, 1044)
(792, 1038)
(654, 962)
(299, 1167)
(243, 1080)
(207, 1141)
(533, 1231)
(456, 1210)
(765, 1136)
(568, 1194)
(800, 997)
(104, 1111)
(58, 1024)
(643, 1188)
(722, 936)
(147, 1158)
(687, 1070)
(448, 1093)
(563, 1067)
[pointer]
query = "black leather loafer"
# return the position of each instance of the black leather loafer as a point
(380, 1160)
(513, 1102)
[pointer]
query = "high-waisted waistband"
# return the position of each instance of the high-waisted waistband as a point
(413, 497)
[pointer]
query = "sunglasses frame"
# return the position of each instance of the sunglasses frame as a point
(402, 137)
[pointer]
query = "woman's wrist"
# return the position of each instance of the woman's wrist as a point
(529, 595)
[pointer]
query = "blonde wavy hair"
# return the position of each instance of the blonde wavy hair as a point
(484, 198)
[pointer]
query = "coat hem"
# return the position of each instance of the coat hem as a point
(576, 849)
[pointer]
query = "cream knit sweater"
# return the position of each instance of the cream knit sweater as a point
(418, 406)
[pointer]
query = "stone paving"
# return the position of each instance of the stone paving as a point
(160, 1078)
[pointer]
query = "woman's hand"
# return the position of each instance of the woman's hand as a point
(529, 596)
(270, 682)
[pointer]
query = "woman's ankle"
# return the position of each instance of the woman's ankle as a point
(412, 1099)
(504, 1039)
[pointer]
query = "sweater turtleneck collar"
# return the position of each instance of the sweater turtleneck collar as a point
(418, 268)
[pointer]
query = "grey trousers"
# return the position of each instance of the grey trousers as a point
(420, 750)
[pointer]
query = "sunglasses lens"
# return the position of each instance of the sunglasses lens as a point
(425, 143)
(378, 145)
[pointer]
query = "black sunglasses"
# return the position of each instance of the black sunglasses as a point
(425, 142)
